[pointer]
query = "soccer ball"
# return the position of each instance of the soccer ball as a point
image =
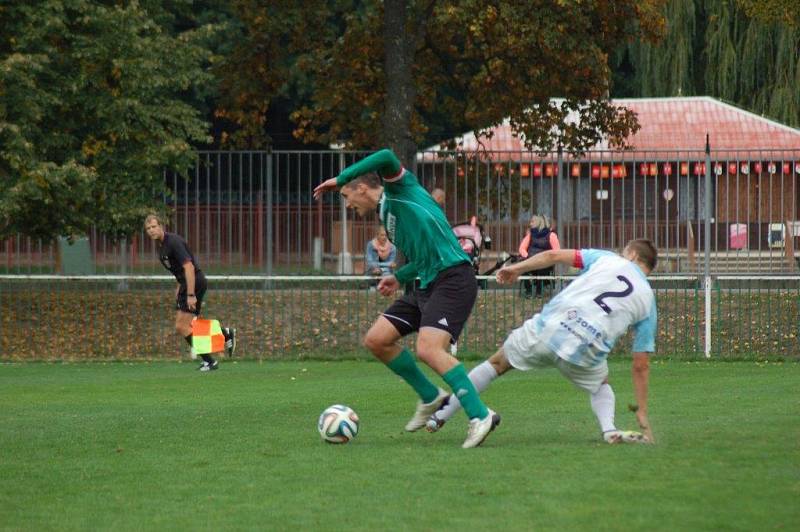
(338, 424)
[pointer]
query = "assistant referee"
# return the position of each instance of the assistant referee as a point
(175, 255)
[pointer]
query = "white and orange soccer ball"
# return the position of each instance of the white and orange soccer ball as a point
(338, 424)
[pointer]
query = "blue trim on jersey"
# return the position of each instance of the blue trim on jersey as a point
(640, 272)
(644, 340)
(590, 256)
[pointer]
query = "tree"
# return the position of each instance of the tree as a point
(92, 111)
(769, 11)
(742, 51)
(402, 72)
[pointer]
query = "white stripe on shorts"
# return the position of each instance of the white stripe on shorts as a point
(385, 315)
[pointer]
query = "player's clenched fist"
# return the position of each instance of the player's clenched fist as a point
(506, 276)
(388, 285)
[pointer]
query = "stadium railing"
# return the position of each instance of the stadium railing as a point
(112, 317)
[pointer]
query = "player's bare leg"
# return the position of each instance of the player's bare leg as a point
(183, 323)
(381, 340)
(433, 348)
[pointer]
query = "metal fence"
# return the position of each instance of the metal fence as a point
(252, 212)
(114, 317)
(727, 225)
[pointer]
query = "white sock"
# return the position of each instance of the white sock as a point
(603, 404)
(481, 376)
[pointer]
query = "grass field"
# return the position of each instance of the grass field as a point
(132, 446)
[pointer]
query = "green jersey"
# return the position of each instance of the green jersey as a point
(413, 220)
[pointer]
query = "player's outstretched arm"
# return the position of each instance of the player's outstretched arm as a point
(640, 371)
(509, 274)
(384, 163)
(325, 186)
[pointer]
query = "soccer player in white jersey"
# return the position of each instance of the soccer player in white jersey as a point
(577, 329)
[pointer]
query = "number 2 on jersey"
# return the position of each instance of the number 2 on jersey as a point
(605, 295)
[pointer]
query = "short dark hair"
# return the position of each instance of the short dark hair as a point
(645, 251)
(371, 180)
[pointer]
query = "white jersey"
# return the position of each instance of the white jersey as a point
(582, 323)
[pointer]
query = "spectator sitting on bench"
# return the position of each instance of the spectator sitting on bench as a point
(381, 255)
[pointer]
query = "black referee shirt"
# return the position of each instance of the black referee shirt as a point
(174, 252)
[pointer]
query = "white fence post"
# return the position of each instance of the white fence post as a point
(707, 291)
(707, 248)
(345, 263)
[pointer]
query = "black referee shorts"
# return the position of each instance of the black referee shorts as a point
(200, 287)
(444, 304)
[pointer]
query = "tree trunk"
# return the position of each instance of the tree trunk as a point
(399, 46)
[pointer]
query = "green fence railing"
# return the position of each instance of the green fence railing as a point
(116, 317)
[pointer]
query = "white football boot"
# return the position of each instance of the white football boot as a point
(479, 429)
(424, 411)
(624, 436)
(209, 367)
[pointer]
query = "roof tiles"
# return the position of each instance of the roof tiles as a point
(675, 124)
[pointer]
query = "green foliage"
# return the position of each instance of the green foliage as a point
(768, 11)
(669, 73)
(463, 64)
(91, 111)
(745, 52)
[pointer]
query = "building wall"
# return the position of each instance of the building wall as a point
(757, 198)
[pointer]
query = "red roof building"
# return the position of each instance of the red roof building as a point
(656, 189)
(673, 124)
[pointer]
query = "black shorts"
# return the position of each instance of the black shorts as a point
(444, 304)
(199, 291)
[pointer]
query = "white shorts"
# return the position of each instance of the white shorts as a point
(525, 350)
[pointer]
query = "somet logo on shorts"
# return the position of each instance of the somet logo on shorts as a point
(443, 321)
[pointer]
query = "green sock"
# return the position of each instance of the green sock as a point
(405, 366)
(458, 380)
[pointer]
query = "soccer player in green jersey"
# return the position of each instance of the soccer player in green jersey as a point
(439, 308)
